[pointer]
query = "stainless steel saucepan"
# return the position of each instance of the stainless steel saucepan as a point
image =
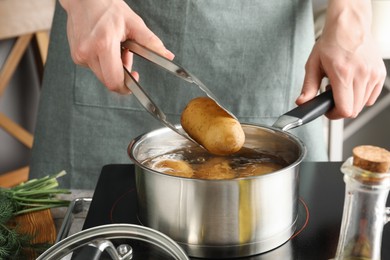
(226, 218)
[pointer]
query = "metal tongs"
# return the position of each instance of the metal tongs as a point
(168, 65)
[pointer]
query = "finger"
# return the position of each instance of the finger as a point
(95, 67)
(359, 91)
(138, 31)
(374, 94)
(112, 67)
(341, 76)
(377, 82)
(343, 99)
(370, 88)
(135, 75)
(311, 81)
(127, 59)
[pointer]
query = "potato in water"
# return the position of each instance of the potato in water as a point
(197, 163)
(174, 167)
(216, 168)
(212, 127)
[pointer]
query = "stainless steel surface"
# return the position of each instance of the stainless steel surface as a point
(150, 106)
(103, 245)
(220, 218)
(286, 123)
(77, 205)
(177, 70)
(159, 60)
(113, 231)
(306, 112)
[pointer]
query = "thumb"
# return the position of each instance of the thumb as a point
(312, 80)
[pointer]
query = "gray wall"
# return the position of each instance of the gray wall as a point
(18, 102)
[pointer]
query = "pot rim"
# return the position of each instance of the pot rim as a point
(298, 141)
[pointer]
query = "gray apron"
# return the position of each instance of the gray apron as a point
(251, 54)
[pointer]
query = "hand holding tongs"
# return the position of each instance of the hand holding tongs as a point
(177, 70)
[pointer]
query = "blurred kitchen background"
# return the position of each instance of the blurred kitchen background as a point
(19, 89)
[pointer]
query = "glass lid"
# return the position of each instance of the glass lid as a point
(116, 241)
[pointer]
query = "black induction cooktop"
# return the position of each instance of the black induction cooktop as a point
(319, 217)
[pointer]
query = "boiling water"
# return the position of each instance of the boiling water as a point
(198, 163)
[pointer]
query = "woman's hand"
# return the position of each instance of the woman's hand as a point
(348, 56)
(95, 31)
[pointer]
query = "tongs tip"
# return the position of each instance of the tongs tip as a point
(170, 66)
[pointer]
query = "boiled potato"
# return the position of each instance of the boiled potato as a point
(212, 127)
(174, 167)
(216, 168)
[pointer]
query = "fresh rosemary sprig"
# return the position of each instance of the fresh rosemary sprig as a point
(33, 195)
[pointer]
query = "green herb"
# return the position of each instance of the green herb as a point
(33, 195)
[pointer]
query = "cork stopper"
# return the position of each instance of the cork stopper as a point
(371, 158)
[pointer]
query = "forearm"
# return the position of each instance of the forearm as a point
(348, 22)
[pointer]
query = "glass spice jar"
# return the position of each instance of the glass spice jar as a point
(367, 185)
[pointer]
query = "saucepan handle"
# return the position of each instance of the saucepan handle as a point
(306, 112)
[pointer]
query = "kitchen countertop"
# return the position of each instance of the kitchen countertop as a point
(321, 190)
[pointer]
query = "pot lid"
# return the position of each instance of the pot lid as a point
(116, 241)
